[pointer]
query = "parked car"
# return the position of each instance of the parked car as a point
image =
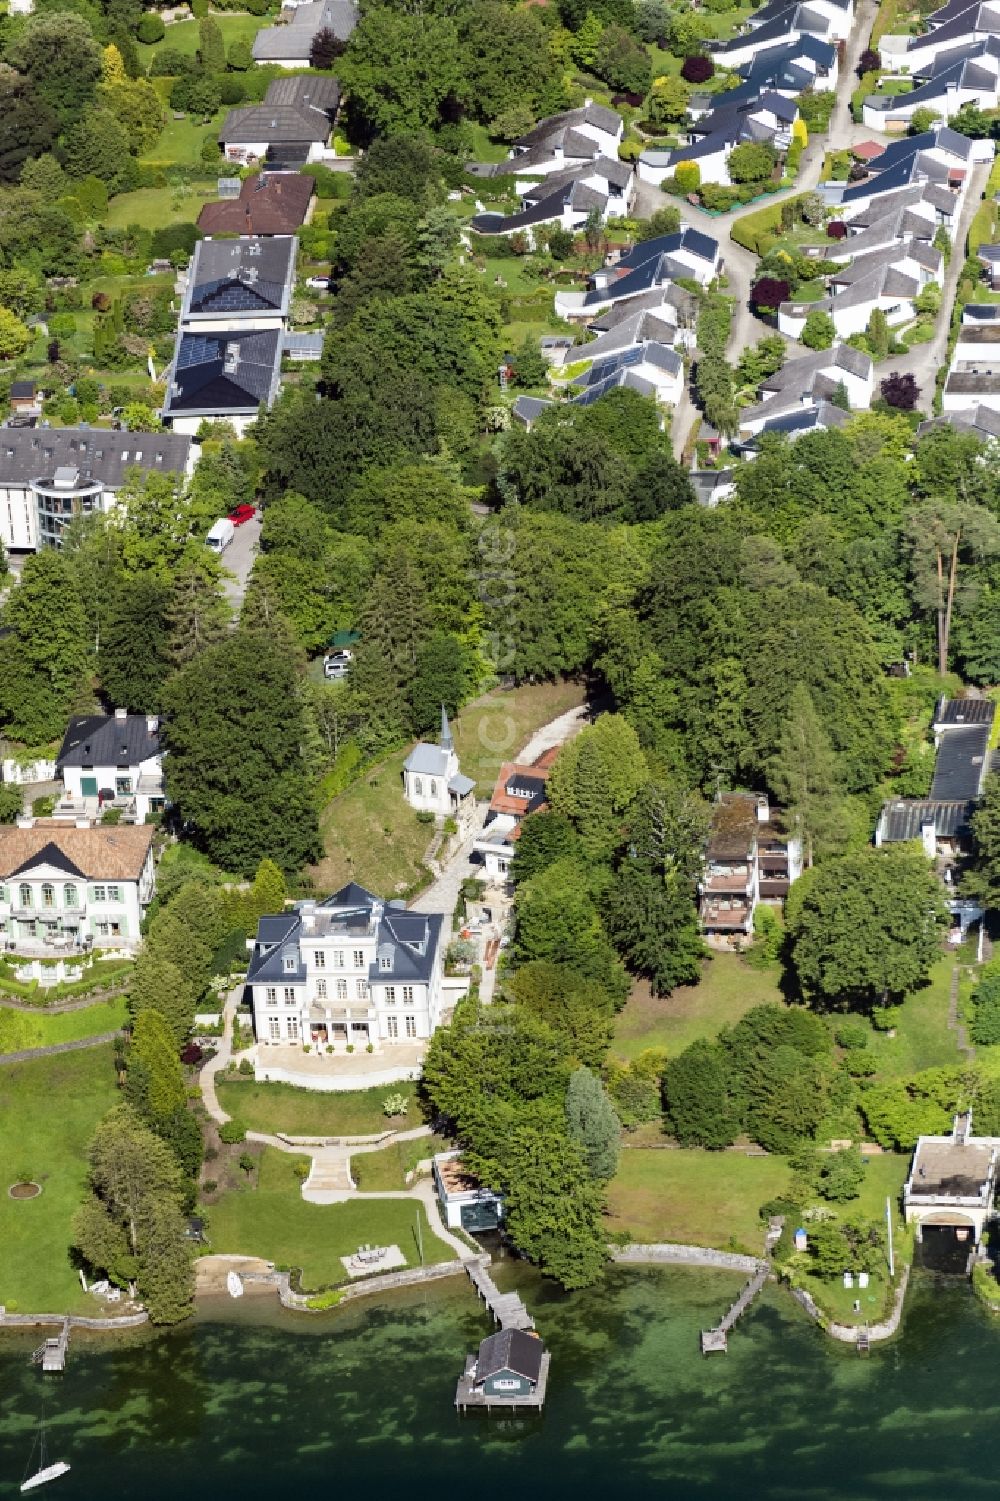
(336, 665)
(242, 514)
(221, 534)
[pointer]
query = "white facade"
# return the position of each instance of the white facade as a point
(139, 786)
(64, 900)
(432, 780)
(348, 971)
(247, 152)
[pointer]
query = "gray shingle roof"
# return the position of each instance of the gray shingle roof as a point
(961, 763)
(273, 124)
(292, 39)
(305, 91)
(903, 819)
(427, 760)
(965, 711)
(251, 275)
(510, 1350)
(28, 453)
(103, 740)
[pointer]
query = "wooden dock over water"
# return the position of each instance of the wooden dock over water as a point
(716, 1339)
(507, 1309)
(52, 1355)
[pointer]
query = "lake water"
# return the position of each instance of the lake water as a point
(251, 1402)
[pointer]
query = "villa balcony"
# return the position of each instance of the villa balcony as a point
(730, 917)
(736, 884)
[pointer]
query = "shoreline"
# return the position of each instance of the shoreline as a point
(260, 1278)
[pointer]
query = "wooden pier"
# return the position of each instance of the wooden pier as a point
(507, 1309)
(52, 1355)
(467, 1396)
(713, 1340)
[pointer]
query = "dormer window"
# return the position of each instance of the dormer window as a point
(385, 962)
(289, 963)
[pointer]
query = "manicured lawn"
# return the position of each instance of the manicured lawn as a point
(154, 208)
(183, 35)
(271, 1219)
(922, 1039)
(181, 140)
(496, 728)
(48, 1111)
(371, 835)
(306, 1112)
(20, 1030)
(694, 1197)
(728, 988)
(884, 1178)
(385, 1171)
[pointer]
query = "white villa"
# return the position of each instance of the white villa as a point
(73, 887)
(432, 782)
(111, 761)
(350, 969)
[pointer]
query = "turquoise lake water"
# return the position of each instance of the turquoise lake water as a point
(251, 1402)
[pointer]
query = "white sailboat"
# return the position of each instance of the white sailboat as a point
(45, 1471)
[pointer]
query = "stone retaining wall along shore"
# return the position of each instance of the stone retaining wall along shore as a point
(848, 1333)
(76, 1321)
(668, 1254)
(386, 1282)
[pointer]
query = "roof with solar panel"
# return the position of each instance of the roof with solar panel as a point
(252, 276)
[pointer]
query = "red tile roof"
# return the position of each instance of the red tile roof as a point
(271, 203)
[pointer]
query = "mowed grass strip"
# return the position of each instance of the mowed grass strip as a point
(271, 1108)
(496, 727)
(271, 1219)
(385, 1171)
(20, 1030)
(727, 990)
(49, 1109)
(694, 1197)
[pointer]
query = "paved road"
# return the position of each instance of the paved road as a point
(238, 559)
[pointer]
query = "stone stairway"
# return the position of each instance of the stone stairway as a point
(329, 1179)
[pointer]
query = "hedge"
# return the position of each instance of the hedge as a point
(752, 230)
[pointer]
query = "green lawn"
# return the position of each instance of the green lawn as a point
(923, 1039)
(181, 140)
(372, 836)
(728, 988)
(20, 1030)
(385, 1171)
(496, 727)
(694, 1197)
(154, 208)
(884, 1178)
(271, 1219)
(306, 1112)
(182, 36)
(48, 1111)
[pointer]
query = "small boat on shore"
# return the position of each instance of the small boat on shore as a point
(234, 1284)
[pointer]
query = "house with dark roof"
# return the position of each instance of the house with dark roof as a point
(289, 41)
(557, 144)
(756, 115)
(605, 186)
(111, 760)
(49, 476)
(962, 729)
(939, 157)
(970, 78)
(224, 376)
(956, 24)
(269, 203)
(649, 267)
(349, 970)
(244, 283)
(66, 888)
(807, 382)
(789, 68)
(974, 374)
(291, 127)
(817, 417)
(781, 23)
(509, 1366)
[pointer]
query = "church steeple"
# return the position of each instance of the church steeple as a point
(447, 743)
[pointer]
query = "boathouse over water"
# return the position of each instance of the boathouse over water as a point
(951, 1183)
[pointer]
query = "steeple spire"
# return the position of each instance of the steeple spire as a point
(447, 743)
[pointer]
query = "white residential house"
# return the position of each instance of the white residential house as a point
(349, 969)
(651, 266)
(465, 1203)
(957, 24)
(890, 280)
(804, 383)
(969, 80)
(604, 186)
(974, 375)
(73, 887)
(111, 761)
(288, 43)
(432, 780)
(49, 476)
(560, 142)
(648, 366)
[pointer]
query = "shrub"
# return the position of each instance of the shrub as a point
(239, 57)
(231, 91)
(687, 176)
(899, 391)
(769, 292)
(232, 1133)
(150, 29)
(394, 1104)
(697, 69)
(192, 1054)
(756, 231)
(985, 1028)
(836, 230)
(851, 1035)
(245, 1068)
(819, 331)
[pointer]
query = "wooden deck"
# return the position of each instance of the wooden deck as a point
(507, 1309)
(716, 1339)
(466, 1395)
(52, 1355)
